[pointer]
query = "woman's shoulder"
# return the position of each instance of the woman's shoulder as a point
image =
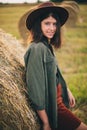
(35, 50)
(38, 47)
(39, 51)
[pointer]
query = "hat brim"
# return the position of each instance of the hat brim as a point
(33, 15)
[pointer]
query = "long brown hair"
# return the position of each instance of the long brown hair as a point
(36, 33)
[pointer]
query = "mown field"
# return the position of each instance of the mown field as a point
(72, 57)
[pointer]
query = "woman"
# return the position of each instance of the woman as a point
(47, 89)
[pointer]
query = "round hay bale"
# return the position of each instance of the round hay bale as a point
(15, 111)
(22, 28)
(24, 32)
(73, 4)
(73, 9)
(73, 15)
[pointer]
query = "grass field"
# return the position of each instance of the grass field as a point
(72, 57)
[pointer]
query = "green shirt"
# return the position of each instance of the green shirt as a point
(42, 77)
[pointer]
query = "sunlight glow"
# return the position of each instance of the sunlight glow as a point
(21, 1)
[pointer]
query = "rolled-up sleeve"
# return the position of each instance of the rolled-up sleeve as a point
(35, 78)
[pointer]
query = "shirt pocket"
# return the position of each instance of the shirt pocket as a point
(48, 59)
(50, 65)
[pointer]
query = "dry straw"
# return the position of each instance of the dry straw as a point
(15, 111)
(24, 32)
(73, 4)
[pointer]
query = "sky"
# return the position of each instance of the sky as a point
(20, 1)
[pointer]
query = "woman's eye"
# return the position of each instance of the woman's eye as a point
(47, 23)
(55, 24)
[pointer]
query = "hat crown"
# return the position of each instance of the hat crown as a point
(46, 4)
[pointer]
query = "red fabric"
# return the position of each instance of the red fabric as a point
(66, 119)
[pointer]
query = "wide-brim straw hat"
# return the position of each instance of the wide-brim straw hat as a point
(44, 8)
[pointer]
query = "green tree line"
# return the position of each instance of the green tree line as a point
(79, 1)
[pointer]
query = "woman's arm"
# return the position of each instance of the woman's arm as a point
(71, 98)
(43, 116)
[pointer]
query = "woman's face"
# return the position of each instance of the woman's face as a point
(48, 27)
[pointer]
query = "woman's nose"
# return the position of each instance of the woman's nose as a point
(52, 27)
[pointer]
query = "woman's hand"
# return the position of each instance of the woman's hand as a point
(71, 98)
(46, 127)
(43, 116)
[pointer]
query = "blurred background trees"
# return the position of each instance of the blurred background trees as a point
(79, 1)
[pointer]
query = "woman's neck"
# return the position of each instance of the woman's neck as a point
(49, 41)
